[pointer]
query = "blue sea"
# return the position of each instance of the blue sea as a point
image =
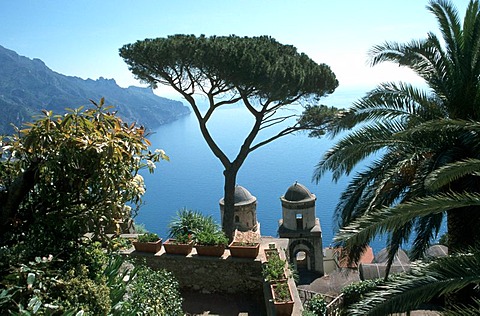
(193, 177)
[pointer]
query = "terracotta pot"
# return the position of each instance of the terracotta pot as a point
(177, 249)
(152, 247)
(282, 307)
(212, 251)
(243, 251)
(270, 252)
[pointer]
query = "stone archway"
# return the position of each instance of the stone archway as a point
(302, 249)
(301, 260)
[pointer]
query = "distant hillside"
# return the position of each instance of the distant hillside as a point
(27, 86)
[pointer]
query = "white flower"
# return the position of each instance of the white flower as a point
(138, 180)
(161, 152)
(151, 165)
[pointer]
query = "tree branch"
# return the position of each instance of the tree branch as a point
(282, 133)
(275, 121)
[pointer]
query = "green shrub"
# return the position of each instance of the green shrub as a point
(317, 305)
(189, 222)
(153, 293)
(44, 287)
(354, 292)
(282, 292)
(274, 269)
(211, 238)
(78, 291)
(148, 237)
(183, 239)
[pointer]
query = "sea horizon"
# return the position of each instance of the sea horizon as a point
(193, 177)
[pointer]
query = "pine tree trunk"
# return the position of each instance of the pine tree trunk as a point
(229, 202)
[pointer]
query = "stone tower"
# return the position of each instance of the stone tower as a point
(302, 228)
(245, 214)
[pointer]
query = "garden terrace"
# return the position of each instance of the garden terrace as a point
(220, 284)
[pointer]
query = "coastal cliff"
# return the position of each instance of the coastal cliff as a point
(27, 86)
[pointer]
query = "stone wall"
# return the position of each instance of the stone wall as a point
(209, 274)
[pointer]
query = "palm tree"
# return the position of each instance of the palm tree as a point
(405, 128)
(426, 280)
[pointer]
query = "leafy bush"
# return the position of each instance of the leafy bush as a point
(153, 293)
(274, 269)
(60, 178)
(148, 237)
(354, 292)
(211, 237)
(282, 292)
(183, 239)
(80, 292)
(43, 287)
(188, 222)
(317, 305)
(65, 176)
(96, 284)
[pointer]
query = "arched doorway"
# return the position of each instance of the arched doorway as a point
(302, 261)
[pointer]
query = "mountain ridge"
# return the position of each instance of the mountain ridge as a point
(28, 86)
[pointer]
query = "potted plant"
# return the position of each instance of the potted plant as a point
(181, 244)
(211, 241)
(282, 298)
(148, 242)
(182, 231)
(188, 222)
(274, 269)
(271, 251)
(245, 245)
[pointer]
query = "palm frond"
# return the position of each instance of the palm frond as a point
(395, 101)
(425, 281)
(381, 221)
(462, 310)
(450, 27)
(426, 229)
(451, 172)
(355, 147)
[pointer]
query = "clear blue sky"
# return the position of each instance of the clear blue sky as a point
(81, 38)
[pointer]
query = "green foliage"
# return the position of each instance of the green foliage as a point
(193, 225)
(319, 119)
(259, 65)
(443, 240)
(153, 293)
(183, 239)
(317, 305)
(61, 177)
(53, 287)
(425, 281)
(120, 243)
(78, 291)
(140, 228)
(148, 237)
(412, 133)
(211, 236)
(258, 71)
(274, 269)
(282, 292)
(188, 222)
(42, 288)
(354, 292)
(64, 176)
